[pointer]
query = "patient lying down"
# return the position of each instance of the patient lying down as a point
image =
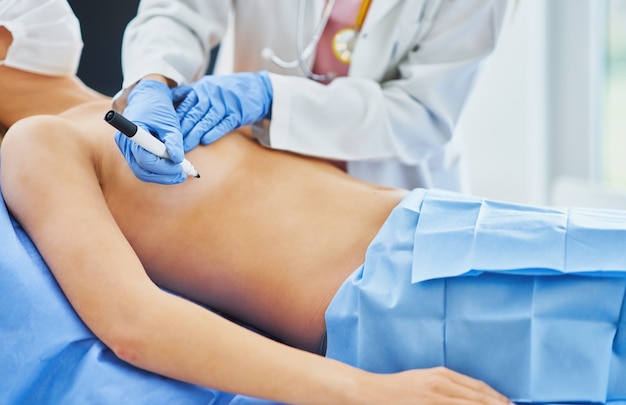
(265, 237)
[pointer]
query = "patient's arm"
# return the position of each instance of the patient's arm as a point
(50, 182)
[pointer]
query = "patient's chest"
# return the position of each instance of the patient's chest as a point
(264, 236)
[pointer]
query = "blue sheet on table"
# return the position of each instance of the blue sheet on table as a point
(530, 300)
(48, 356)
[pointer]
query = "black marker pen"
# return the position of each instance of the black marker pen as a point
(144, 139)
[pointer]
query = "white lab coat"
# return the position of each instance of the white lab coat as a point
(393, 117)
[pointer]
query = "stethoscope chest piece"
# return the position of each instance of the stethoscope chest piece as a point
(343, 41)
(343, 44)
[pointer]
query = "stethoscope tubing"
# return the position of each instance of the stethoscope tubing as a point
(426, 18)
(302, 54)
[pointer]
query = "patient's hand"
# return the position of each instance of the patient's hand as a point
(437, 385)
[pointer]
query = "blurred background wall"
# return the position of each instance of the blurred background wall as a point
(102, 25)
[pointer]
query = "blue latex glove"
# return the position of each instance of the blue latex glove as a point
(216, 105)
(151, 107)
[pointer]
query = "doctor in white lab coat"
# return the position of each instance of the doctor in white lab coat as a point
(391, 117)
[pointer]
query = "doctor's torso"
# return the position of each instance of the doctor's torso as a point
(388, 32)
(411, 71)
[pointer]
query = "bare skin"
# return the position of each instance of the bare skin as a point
(25, 94)
(265, 236)
(282, 231)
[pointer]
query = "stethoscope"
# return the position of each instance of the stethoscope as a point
(343, 43)
(303, 54)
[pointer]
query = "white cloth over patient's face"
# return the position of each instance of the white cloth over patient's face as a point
(46, 36)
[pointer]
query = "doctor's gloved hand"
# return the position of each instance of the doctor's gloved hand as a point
(150, 106)
(216, 105)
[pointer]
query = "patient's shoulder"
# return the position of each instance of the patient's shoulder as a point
(47, 135)
(33, 132)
